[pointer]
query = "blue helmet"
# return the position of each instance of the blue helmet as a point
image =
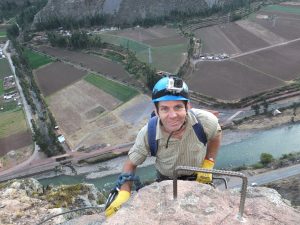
(170, 88)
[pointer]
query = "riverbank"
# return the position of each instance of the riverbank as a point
(259, 122)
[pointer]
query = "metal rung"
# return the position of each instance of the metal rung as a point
(218, 172)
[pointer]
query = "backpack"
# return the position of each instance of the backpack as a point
(153, 143)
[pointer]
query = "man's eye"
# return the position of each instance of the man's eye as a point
(164, 109)
(178, 107)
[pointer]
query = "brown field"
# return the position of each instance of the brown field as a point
(285, 25)
(282, 62)
(57, 76)
(95, 63)
(78, 104)
(215, 41)
(229, 80)
(243, 39)
(15, 141)
(88, 116)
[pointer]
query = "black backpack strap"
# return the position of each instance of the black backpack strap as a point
(152, 135)
(199, 131)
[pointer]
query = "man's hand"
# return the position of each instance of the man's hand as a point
(205, 178)
(121, 198)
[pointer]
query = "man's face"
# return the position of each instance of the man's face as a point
(172, 114)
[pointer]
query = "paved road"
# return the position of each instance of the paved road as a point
(267, 177)
(27, 111)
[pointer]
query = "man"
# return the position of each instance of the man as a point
(177, 142)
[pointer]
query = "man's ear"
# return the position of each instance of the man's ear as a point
(188, 105)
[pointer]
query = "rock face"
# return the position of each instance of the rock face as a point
(202, 204)
(121, 11)
(28, 202)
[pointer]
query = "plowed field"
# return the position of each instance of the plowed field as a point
(57, 76)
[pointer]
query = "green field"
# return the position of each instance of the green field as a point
(119, 91)
(4, 68)
(36, 60)
(167, 58)
(280, 8)
(8, 106)
(124, 42)
(12, 122)
(2, 33)
(1, 87)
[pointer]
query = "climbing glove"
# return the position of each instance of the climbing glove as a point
(205, 178)
(121, 198)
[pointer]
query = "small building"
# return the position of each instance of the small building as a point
(276, 112)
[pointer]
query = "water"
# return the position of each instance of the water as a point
(238, 148)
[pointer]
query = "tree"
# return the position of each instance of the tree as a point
(266, 158)
(255, 107)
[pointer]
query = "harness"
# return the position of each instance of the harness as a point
(153, 143)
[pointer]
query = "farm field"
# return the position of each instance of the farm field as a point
(243, 39)
(4, 68)
(36, 60)
(12, 122)
(265, 55)
(119, 91)
(280, 23)
(86, 115)
(1, 87)
(93, 62)
(229, 80)
(15, 142)
(214, 41)
(282, 62)
(57, 76)
(166, 45)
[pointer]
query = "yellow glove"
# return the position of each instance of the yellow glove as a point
(121, 198)
(205, 177)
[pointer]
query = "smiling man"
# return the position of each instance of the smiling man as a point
(177, 136)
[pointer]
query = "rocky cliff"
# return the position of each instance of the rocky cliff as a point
(27, 202)
(120, 11)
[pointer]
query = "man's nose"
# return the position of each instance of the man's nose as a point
(172, 113)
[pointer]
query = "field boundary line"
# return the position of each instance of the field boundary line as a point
(255, 69)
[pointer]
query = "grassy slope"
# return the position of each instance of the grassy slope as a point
(119, 91)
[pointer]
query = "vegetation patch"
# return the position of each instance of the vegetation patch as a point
(12, 122)
(280, 8)
(35, 59)
(1, 87)
(127, 43)
(4, 68)
(2, 33)
(7, 106)
(119, 91)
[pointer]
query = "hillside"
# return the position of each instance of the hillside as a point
(121, 11)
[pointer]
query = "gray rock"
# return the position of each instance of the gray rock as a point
(202, 204)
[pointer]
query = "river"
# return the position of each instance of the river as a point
(238, 148)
